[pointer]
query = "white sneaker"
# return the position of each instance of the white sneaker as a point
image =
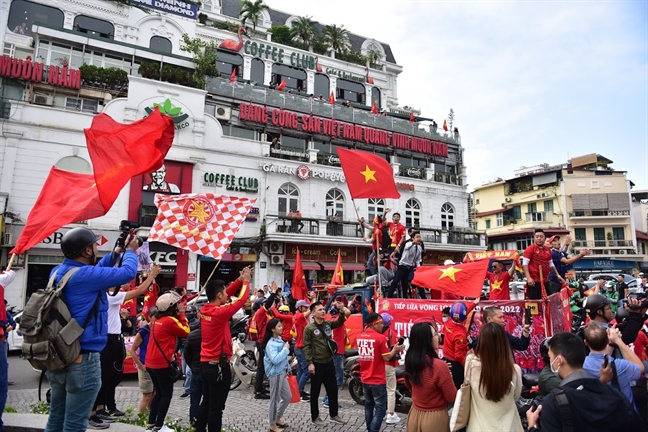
(165, 428)
(392, 419)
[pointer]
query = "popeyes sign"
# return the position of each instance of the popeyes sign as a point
(336, 129)
(28, 70)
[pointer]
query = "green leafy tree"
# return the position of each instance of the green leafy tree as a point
(337, 38)
(303, 30)
(373, 55)
(203, 56)
(251, 11)
(281, 34)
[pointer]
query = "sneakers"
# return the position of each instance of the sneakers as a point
(337, 419)
(164, 428)
(261, 396)
(305, 397)
(392, 418)
(96, 423)
(325, 401)
(103, 416)
(318, 422)
(116, 413)
(184, 395)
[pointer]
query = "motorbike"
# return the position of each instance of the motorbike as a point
(528, 397)
(403, 394)
(237, 324)
(242, 364)
(350, 360)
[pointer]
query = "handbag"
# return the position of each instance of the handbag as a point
(174, 368)
(294, 388)
(461, 410)
(332, 345)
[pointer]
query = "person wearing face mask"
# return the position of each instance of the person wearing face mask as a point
(599, 309)
(581, 403)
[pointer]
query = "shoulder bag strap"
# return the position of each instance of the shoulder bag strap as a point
(564, 409)
(158, 345)
(64, 280)
(615, 377)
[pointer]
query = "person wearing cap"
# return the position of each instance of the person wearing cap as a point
(284, 315)
(300, 321)
(537, 265)
(86, 288)
(562, 261)
(612, 295)
(168, 324)
(390, 369)
(373, 351)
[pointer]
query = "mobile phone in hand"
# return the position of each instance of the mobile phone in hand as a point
(527, 316)
(606, 361)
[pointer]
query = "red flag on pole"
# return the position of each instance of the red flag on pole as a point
(298, 287)
(412, 117)
(202, 223)
(338, 275)
(282, 85)
(461, 279)
(374, 108)
(332, 98)
(121, 151)
(367, 175)
(445, 125)
(233, 76)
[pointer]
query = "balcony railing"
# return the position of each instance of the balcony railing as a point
(264, 96)
(538, 217)
(463, 238)
(602, 243)
(599, 213)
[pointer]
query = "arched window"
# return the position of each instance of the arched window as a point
(23, 13)
(94, 26)
(376, 208)
(447, 216)
(375, 96)
(412, 213)
(322, 85)
(227, 62)
(335, 204)
(257, 71)
(160, 43)
(74, 164)
(288, 199)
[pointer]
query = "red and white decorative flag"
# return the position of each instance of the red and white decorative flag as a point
(203, 223)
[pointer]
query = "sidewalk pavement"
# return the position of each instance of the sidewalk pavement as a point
(242, 413)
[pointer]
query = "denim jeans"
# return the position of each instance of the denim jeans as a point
(302, 369)
(375, 405)
(74, 390)
(195, 395)
(338, 361)
(4, 377)
(370, 265)
(186, 386)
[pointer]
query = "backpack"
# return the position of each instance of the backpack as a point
(50, 334)
(386, 238)
(253, 326)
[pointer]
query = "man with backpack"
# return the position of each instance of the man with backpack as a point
(580, 403)
(5, 279)
(75, 387)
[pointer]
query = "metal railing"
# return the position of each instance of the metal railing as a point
(602, 243)
(598, 213)
(465, 239)
(538, 217)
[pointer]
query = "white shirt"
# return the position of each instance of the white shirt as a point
(114, 320)
(6, 277)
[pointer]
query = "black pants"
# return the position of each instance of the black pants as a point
(535, 292)
(554, 287)
(112, 368)
(260, 371)
(457, 372)
(163, 385)
(324, 374)
(216, 387)
(402, 276)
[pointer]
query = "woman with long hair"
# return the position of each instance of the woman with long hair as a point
(276, 368)
(429, 379)
(169, 323)
(494, 392)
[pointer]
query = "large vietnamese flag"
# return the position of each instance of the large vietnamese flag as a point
(298, 287)
(367, 175)
(338, 274)
(461, 279)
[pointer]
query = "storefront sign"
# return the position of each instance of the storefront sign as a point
(191, 277)
(276, 54)
(285, 152)
(405, 186)
(345, 75)
(28, 70)
(321, 253)
(232, 182)
(175, 112)
(164, 258)
(176, 7)
(304, 172)
(252, 216)
(106, 240)
(337, 129)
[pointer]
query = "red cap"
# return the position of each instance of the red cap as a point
(556, 237)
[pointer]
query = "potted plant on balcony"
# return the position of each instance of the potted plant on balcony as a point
(610, 239)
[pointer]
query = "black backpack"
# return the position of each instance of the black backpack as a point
(386, 238)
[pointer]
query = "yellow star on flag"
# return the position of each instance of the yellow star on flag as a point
(368, 174)
(341, 274)
(449, 272)
(199, 212)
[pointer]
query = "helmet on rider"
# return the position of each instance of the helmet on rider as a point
(544, 350)
(387, 319)
(594, 303)
(76, 240)
(458, 312)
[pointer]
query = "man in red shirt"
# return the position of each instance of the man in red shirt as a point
(216, 347)
(537, 264)
(396, 230)
(499, 281)
(372, 353)
(300, 321)
(150, 297)
(455, 341)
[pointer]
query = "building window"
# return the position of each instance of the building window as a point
(295, 77)
(207, 5)
(524, 242)
(517, 212)
(350, 90)
(548, 206)
(488, 224)
(159, 43)
(335, 204)
(23, 14)
(257, 71)
(447, 216)
(375, 97)
(75, 164)
(322, 85)
(239, 132)
(594, 184)
(500, 219)
(288, 199)
(599, 237)
(412, 213)
(94, 26)
(579, 234)
(84, 105)
(227, 62)
(618, 233)
(376, 208)
(532, 208)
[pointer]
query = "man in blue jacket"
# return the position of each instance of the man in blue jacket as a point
(495, 314)
(75, 388)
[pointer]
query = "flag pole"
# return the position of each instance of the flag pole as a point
(355, 207)
(378, 263)
(193, 300)
(11, 260)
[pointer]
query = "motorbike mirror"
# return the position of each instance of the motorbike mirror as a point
(241, 337)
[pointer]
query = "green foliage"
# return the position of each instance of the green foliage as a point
(251, 11)
(281, 34)
(10, 409)
(39, 407)
(352, 57)
(202, 18)
(204, 58)
(320, 47)
(150, 70)
(337, 38)
(109, 78)
(226, 25)
(303, 31)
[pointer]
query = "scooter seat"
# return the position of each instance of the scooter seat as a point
(400, 371)
(350, 352)
(530, 380)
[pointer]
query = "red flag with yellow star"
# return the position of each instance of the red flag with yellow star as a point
(367, 175)
(298, 288)
(464, 280)
(338, 274)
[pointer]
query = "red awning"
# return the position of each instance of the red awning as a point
(306, 265)
(490, 212)
(345, 266)
(641, 235)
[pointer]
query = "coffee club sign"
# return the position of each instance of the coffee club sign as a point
(28, 70)
(333, 128)
(303, 172)
(231, 182)
(268, 52)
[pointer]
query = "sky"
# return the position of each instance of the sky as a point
(529, 82)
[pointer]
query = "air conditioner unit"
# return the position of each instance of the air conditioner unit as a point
(507, 199)
(276, 248)
(543, 195)
(623, 252)
(223, 113)
(503, 205)
(7, 239)
(43, 99)
(277, 259)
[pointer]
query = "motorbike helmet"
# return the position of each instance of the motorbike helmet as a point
(76, 240)
(458, 312)
(622, 314)
(544, 349)
(284, 308)
(387, 319)
(166, 301)
(301, 303)
(594, 303)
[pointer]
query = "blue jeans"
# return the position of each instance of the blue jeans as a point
(375, 397)
(4, 376)
(338, 361)
(195, 395)
(370, 265)
(302, 369)
(186, 386)
(74, 390)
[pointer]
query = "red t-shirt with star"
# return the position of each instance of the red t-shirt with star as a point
(539, 257)
(300, 324)
(150, 298)
(372, 350)
(396, 232)
(499, 285)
